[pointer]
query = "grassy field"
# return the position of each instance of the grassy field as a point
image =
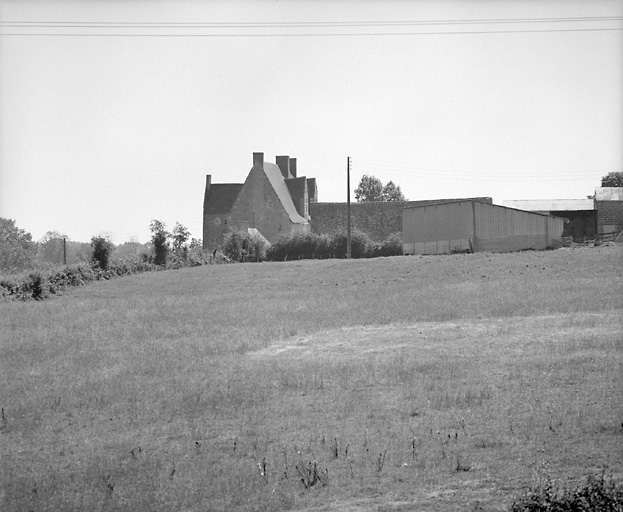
(406, 383)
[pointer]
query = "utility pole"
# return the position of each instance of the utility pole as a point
(64, 251)
(348, 254)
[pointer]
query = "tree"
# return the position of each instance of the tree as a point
(130, 250)
(17, 250)
(180, 236)
(612, 179)
(79, 252)
(51, 247)
(371, 189)
(392, 192)
(102, 248)
(159, 240)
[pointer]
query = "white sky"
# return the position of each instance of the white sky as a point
(101, 133)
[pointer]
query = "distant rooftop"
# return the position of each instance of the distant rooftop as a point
(609, 194)
(550, 205)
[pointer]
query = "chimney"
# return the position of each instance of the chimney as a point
(312, 190)
(284, 164)
(293, 167)
(258, 160)
(205, 196)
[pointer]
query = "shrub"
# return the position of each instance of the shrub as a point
(196, 255)
(300, 246)
(598, 493)
(392, 246)
(52, 279)
(360, 244)
(312, 245)
(233, 245)
(102, 248)
(39, 285)
(241, 246)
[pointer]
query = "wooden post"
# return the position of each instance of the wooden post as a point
(348, 246)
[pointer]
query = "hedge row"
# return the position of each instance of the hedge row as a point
(599, 493)
(313, 246)
(39, 284)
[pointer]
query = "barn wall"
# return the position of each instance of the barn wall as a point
(438, 229)
(473, 226)
(501, 229)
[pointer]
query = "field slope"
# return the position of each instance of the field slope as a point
(407, 383)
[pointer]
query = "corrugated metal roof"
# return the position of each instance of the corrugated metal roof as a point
(550, 205)
(458, 201)
(273, 173)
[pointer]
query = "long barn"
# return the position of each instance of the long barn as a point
(473, 226)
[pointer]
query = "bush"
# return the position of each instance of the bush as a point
(598, 494)
(102, 248)
(51, 280)
(300, 246)
(360, 244)
(311, 245)
(392, 246)
(240, 246)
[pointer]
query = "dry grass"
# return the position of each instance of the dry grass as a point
(327, 385)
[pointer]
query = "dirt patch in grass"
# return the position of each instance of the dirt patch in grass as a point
(476, 336)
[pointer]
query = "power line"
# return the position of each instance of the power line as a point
(299, 25)
(481, 172)
(335, 34)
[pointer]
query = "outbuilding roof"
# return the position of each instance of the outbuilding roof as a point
(456, 201)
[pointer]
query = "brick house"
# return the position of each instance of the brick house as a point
(273, 200)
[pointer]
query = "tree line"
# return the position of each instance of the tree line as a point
(176, 248)
(19, 252)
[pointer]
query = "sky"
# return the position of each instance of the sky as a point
(112, 112)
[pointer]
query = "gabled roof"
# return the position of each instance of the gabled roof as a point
(296, 186)
(221, 197)
(273, 173)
